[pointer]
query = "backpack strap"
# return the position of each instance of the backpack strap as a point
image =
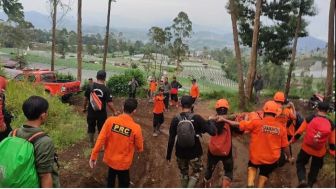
(188, 116)
(36, 136)
(31, 139)
(14, 132)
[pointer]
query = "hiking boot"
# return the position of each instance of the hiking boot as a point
(192, 182)
(226, 182)
(206, 183)
(184, 181)
(302, 184)
(155, 134)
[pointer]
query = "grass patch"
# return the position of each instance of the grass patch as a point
(64, 126)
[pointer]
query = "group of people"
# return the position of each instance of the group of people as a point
(272, 130)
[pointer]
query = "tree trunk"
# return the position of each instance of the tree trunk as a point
(107, 34)
(253, 62)
(291, 66)
(53, 43)
(238, 56)
(331, 53)
(155, 64)
(79, 41)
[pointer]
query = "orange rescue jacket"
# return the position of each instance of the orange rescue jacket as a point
(121, 136)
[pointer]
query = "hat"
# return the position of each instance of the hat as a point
(222, 103)
(271, 107)
(193, 80)
(279, 97)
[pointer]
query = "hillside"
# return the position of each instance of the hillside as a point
(135, 30)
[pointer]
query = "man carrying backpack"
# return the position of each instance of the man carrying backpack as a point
(28, 158)
(121, 136)
(188, 127)
(268, 137)
(220, 147)
(319, 131)
(98, 96)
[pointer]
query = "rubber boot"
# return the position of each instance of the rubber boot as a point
(91, 139)
(192, 182)
(206, 183)
(261, 181)
(251, 174)
(226, 182)
(184, 181)
(303, 184)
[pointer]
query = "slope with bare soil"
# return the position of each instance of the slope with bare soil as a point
(150, 169)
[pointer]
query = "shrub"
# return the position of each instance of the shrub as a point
(64, 126)
(118, 84)
(68, 76)
(231, 96)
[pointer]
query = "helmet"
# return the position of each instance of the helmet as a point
(279, 97)
(222, 103)
(271, 107)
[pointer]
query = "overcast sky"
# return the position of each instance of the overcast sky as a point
(210, 13)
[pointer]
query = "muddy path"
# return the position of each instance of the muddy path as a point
(150, 169)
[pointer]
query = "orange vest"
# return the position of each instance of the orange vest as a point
(268, 136)
(121, 136)
(152, 86)
(194, 91)
(158, 104)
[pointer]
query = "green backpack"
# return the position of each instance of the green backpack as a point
(17, 162)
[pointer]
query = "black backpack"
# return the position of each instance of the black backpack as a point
(185, 131)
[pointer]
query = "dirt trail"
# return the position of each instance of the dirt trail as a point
(150, 169)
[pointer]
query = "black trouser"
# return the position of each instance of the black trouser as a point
(315, 166)
(166, 100)
(264, 169)
(212, 162)
(132, 94)
(158, 119)
(94, 122)
(123, 178)
(193, 104)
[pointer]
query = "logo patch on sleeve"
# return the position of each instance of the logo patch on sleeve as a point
(121, 130)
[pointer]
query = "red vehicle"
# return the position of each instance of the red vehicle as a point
(62, 88)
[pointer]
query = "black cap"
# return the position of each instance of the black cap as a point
(101, 75)
(193, 80)
(323, 106)
(186, 101)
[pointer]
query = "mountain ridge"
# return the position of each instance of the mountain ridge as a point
(202, 35)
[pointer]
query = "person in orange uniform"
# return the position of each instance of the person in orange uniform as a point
(120, 136)
(158, 110)
(319, 131)
(152, 88)
(287, 116)
(268, 137)
(194, 92)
